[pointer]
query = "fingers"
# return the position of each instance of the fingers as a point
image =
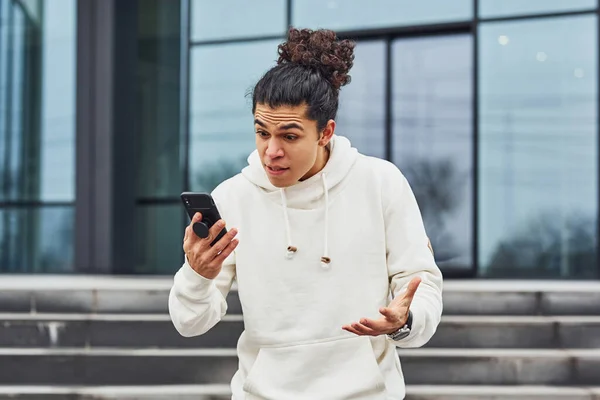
(389, 313)
(214, 230)
(380, 325)
(187, 233)
(222, 244)
(393, 316)
(350, 329)
(365, 330)
(189, 230)
(197, 218)
(369, 327)
(226, 251)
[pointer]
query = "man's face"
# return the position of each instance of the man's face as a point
(289, 144)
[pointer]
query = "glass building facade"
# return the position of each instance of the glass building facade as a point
(109, 109)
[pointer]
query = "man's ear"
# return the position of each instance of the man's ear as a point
(327, 133)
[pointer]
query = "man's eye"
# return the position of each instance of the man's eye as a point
(291, 137)
(262, 133)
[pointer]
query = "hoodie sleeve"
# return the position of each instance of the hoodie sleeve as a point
(196, 303)
(409, 255)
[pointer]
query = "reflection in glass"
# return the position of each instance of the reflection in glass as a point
(36, 240)
(221, 123)
(361, 14)
(361, 115)
(12, 84)
(37, 134)
(538, 148)
(58, 100)
(159, 171)
(226, 19)
(432, 138)
(37, 118)
(159, 235)
(13, 157)
(505, 8)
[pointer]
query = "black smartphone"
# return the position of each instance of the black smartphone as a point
(203, 203)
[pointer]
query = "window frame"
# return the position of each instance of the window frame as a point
(402, 32)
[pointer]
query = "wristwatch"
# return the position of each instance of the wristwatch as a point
(404, 331)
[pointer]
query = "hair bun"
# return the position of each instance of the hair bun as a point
(320, 49)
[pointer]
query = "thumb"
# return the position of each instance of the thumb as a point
(413, 285)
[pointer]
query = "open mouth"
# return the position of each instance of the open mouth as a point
(276, 170)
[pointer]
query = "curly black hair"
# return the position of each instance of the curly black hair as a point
(311, 68)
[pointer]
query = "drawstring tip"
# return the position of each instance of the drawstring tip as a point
(291, 250)
(325, 261)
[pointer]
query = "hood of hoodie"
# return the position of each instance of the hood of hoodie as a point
(310, 193)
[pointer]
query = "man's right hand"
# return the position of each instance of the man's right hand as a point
(204, 259)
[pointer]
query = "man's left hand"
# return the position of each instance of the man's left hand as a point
(394, 316)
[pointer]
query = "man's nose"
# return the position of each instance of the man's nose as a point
(274, 150)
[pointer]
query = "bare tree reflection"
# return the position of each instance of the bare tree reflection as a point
(210, 175)
(40, 241)
(439, 190)
(548, 247)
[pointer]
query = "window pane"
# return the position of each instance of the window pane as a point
(15, 127)
(36, 240)
(221, 125)
(361, 116)
(538, 148)
(361, 14)
(212, 20)
(158, 122)
(37, 105)
(503, 8)
(432, 138)
(8, 30)
(160, 231)
(58, 100)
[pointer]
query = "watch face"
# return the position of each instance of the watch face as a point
(401, 334)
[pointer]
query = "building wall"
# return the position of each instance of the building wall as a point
(489, 107)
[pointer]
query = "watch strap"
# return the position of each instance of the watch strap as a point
(405, 330)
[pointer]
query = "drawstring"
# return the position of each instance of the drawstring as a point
(290, 249)
(325, 260)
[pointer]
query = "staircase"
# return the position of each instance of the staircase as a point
(111, 338)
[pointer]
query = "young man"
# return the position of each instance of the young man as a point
(327, 236)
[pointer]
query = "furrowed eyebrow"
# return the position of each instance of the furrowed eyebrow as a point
(293, 125)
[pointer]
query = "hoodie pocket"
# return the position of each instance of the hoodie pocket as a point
(338, 368)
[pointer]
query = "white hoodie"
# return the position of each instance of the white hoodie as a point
(361, 213)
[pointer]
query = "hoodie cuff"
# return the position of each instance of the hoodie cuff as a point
(196, 283)
(417, 328)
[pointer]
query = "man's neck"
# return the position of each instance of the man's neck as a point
(322, 159)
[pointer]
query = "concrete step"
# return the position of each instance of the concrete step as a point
(109, 294)
(110, 330)
(155, 392)
(222, 392)
(216, 366)
(521, 392)
(123, 330)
